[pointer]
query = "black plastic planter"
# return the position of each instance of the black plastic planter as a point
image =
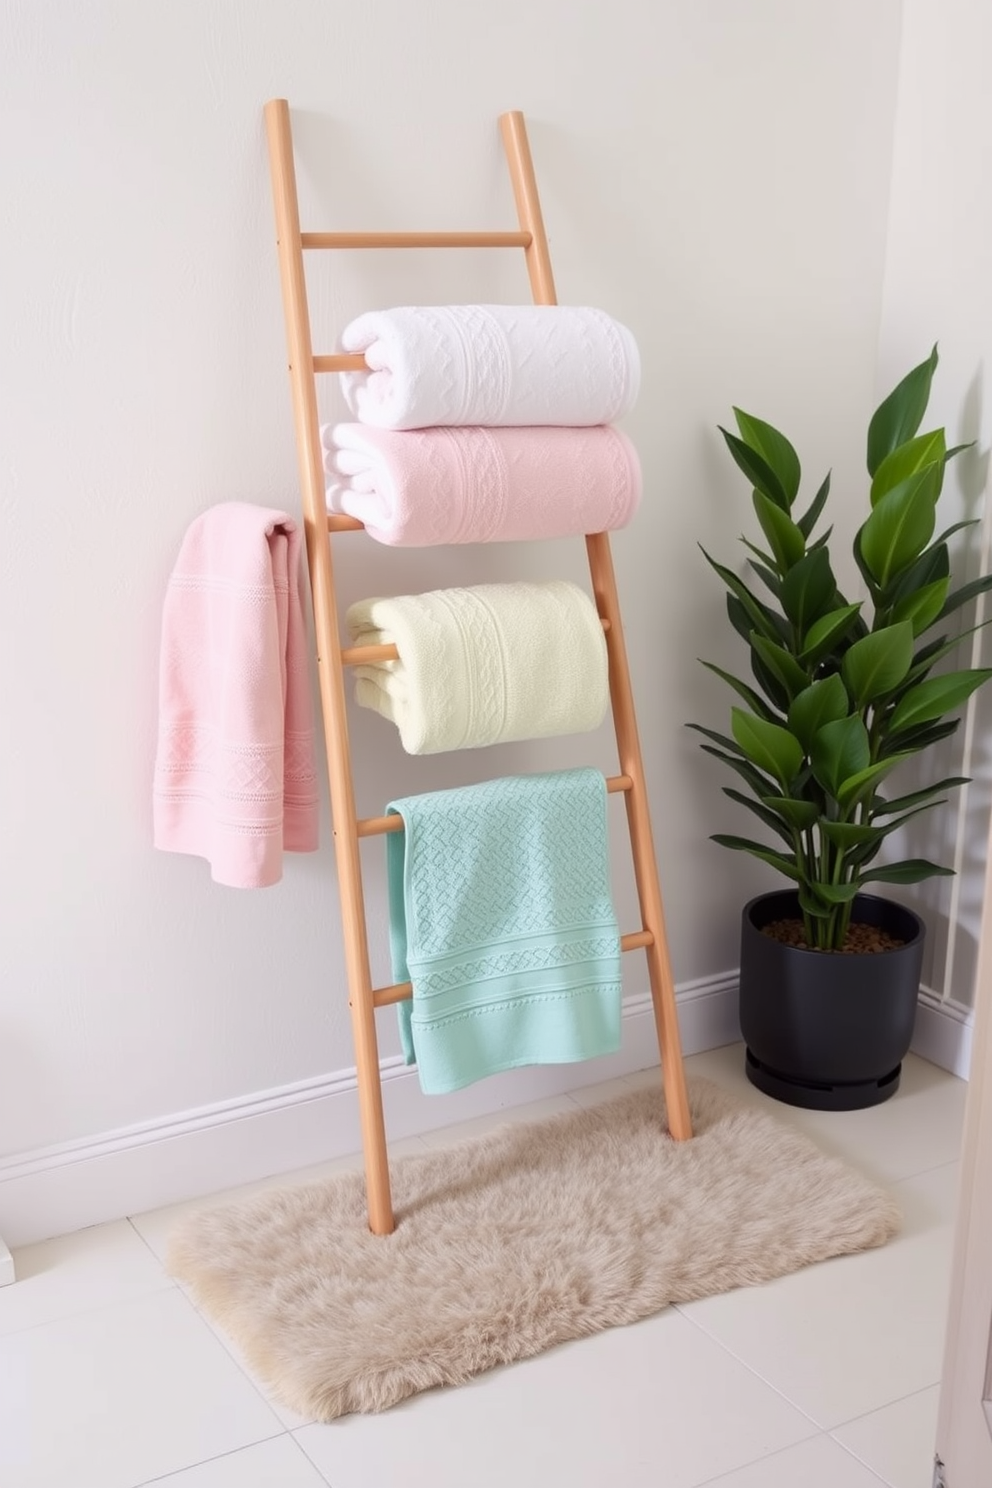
(826, 1031)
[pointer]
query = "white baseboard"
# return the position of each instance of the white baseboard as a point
(6, 1265)
(943, 1032)
(56, 1190)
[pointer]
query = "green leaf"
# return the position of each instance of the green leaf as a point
(754, 702)
(769, 683)
(927, 657)
(808, 590)
(808, 521)
(767, 745)
(759, 783)
(912, 741)
(832, 893)
(857, 787)
(785, 863)
(865, 571)
(924, 606)
(757, 612)
(931, 565)
(824, 634)
(720, 739)
(820, 703)
(838, 751)
(906, 460)
(767, 576)
(756, 468)
(782, 663)
(936, 696)
(774, 449)
(885, 808)
(965, 593)
(784, 538)
(900, 526)
(738, 617)
(799, 814)
(899, 416)
(812, 905)
(773, 822)
(848, 834)
(910, 870)
(956, 527)
(877, 663)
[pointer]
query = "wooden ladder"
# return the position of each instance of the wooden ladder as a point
(333, 658)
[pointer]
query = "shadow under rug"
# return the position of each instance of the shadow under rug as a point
(513, 1242)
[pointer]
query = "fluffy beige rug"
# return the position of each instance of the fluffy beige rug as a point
(514, 1242)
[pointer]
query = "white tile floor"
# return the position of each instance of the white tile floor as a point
(109, 1378)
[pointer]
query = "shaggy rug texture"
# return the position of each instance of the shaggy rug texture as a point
(509, 1244)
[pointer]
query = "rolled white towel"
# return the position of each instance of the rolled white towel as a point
(490, 364)
(484, 665)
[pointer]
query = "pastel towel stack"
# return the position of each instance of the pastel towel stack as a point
(501, 917)
(490, 364)
(484, 665)
(235, 778)
(416, 488)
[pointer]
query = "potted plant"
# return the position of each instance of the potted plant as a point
(841, 694)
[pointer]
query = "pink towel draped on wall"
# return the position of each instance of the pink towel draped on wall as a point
(235, 777)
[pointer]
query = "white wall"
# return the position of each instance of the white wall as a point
(715, 175)
(938, 288)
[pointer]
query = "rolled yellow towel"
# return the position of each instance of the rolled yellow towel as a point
(484, 665)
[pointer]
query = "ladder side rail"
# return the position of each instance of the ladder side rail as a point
(333, 708)
(538, 258)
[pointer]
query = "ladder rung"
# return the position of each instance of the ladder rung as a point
(360, 655)
(416, 239)
(338, 522)
(341, 361)
(403, 991)
(374, 826)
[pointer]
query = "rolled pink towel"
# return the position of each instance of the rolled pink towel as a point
(423, 487)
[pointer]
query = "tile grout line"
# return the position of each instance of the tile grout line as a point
(204, 1462)
(898, 1401)
(819, 1430)
(781, 1452)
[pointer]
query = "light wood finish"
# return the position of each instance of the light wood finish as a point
(340, 361)
(332, 657)
(415, 240)
(330, 672)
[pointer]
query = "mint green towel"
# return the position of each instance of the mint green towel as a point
(500, 914)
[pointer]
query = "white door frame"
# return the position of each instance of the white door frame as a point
(964, 1427)
(6, 1265)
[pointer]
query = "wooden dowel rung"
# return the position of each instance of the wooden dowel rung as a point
(402, 991)
(338, 522)
(517, 239)
(364, 655)
(375, 826)
(361, 655)
(341, 361)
